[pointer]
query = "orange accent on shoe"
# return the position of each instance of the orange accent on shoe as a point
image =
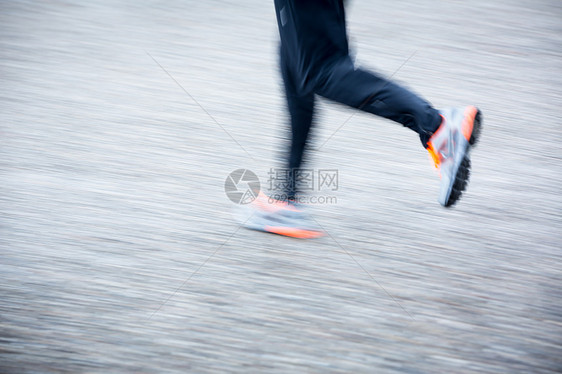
(468, 121)
(294, 232)
(433, 154)
(431, 149)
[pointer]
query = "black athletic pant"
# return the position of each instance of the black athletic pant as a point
(315, 60)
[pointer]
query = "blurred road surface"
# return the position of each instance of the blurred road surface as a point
(118, 251)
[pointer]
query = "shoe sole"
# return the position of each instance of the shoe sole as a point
(284, 226)
(292, 232)
(463, 172)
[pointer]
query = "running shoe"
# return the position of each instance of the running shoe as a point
(449, 148)
(282, 218)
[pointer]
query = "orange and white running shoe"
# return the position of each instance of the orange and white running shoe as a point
(282, 218)
(450, 147)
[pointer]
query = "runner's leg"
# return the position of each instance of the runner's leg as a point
(367, 91)
(301, 111)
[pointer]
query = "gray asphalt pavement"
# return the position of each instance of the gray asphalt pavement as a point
(120, 121)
